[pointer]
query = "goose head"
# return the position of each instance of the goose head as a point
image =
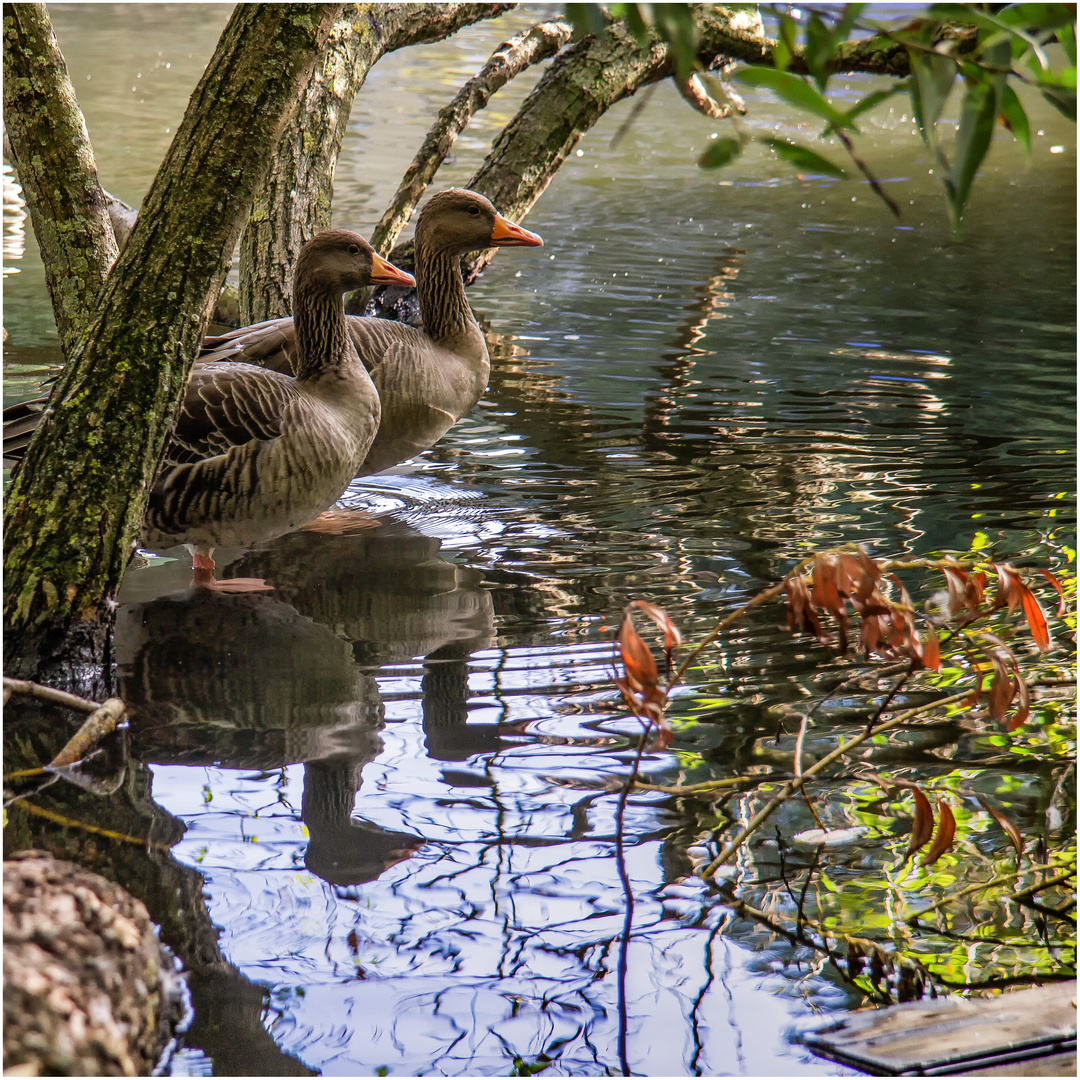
(458, 221)
(339, 261)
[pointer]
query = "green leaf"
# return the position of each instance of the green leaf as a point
(803, 158)
(1036, 16)
(586, 19)
(1016, 118)
(1063, 101)
(977, 117)
(934, 75)
(843, 28)
(1065, 79)
(720, 153)
(639, 19)
(676, 25)
(785, 45)
(819, 49)
(795, 91)
(1067, 38)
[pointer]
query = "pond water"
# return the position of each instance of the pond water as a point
(392, 768)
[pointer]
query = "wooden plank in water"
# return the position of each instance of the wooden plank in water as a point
(957, 1036)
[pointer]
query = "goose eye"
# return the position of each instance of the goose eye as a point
(354, 249)
(474, 210)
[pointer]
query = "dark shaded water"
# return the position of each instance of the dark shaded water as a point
(390, 767)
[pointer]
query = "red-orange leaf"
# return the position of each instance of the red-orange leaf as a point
(922, 828)
(801, 614)
(946, 833)
(1035, 617)
(1023, 708)
(1002, 691)
(1057, 585)
(956, 580)
(974, 590)
(1009, 586)
(672, 635)
(931, 653)
(1010, 829)
(636, 656)
(825, 593)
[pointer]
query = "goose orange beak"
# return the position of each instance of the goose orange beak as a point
(507, 234)
(384, 273)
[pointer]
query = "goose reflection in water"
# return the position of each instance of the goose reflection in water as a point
(264, 680)
(388, 591)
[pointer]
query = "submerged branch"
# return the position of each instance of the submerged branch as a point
(47, 693)
(1000, 879)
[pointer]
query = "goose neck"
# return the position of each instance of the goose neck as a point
(441, 292)
(322, 337)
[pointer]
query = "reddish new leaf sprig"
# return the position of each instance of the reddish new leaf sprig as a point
(840, 583)
(640, 681)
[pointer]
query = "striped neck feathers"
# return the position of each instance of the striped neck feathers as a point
(323, 344)
(441, 292)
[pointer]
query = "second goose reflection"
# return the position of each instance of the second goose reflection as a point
(261, 681)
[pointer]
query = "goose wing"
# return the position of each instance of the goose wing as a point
(228, 405)
(270, 344)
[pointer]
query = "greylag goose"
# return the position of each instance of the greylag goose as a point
(256, 453)
(427, 379)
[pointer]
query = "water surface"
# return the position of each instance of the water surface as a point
(391, 767)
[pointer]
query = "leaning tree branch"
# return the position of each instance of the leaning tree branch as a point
(509, 59)
(582, 83)
(46, 136)
(592, 75)
(294, 202)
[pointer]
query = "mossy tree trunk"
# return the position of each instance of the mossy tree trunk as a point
(73, 513)
(294, 203)
(46, 136)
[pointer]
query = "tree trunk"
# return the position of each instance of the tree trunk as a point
(75, 508)
(50, 149)
(294, 203)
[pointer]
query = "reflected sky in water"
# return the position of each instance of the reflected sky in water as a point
(392, 767)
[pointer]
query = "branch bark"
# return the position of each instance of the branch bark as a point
(49, 146)
(74, 510)
(294, 203)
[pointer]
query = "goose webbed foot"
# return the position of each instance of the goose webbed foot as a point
(203, 578)
(341, 522)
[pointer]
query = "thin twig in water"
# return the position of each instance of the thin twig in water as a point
(1000, 879)
(799, 771)
(71, 823)
(801, 919)
(762, 597)
(628, 920)
(796, 784)
(702, 788)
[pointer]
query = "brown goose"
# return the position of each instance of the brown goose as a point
(427, 379)
(256, 453)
